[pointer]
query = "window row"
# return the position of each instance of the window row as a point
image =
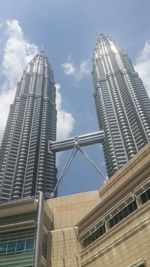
(114, 218)
(16, 246)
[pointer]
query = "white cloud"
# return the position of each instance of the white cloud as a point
(69, 68)
(79, 72)
(65, 120)
(6, 99)
(84, 69)
(17, 53)
(142, 65)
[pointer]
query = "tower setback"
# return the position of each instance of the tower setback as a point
(26, 167)
(122, 104)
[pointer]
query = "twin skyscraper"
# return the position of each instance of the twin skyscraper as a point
(123, 111)
(26, 167)
(122, 104)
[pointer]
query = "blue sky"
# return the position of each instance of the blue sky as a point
(67, 30)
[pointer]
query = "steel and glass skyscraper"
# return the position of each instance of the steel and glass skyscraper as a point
(122, 104)
(26, 167)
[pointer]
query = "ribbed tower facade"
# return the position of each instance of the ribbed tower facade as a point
(26, 167)
(122, 104)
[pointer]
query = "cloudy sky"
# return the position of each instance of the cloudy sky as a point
(67, 31)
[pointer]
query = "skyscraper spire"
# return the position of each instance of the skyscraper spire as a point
(122, 104)
(25, 165)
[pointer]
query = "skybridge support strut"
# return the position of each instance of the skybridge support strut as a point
(75, 144)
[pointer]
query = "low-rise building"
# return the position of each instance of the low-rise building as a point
(24, 228)
(105, 227)
(116, 232)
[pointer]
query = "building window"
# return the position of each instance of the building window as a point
(95, 235)
(138, 264)
(11, 247)
(20, 245)
(122, 213)
(145, 196)
(17, 242)
(16, 246)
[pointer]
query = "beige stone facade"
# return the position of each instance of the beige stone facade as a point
(67, 211)
(86, 230)
(127, 243)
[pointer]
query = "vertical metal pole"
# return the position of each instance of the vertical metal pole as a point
(38, 243)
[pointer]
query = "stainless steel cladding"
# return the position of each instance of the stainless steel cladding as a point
(26, 167)
(122, 104)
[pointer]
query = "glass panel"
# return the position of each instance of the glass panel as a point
(92, 237)
(122, 213)
(3, 248)
(20, 245)
(145, 196)
(29, 243)
(11, 246)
